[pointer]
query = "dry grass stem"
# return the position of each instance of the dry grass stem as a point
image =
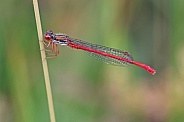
(44, 62)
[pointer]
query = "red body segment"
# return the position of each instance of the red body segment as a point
(144, 66)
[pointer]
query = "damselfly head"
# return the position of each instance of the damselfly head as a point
(48, 35)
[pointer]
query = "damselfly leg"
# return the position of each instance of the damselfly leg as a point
(51, 49)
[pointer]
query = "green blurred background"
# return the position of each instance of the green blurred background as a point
(85, 89)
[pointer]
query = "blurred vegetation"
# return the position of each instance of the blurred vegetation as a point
(84, 89)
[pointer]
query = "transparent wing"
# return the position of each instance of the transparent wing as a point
(108, 50)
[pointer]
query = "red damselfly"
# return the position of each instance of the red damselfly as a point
(105, 54)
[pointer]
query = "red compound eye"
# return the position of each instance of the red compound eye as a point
(47, 37)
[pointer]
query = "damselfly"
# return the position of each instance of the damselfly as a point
(105, 54)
